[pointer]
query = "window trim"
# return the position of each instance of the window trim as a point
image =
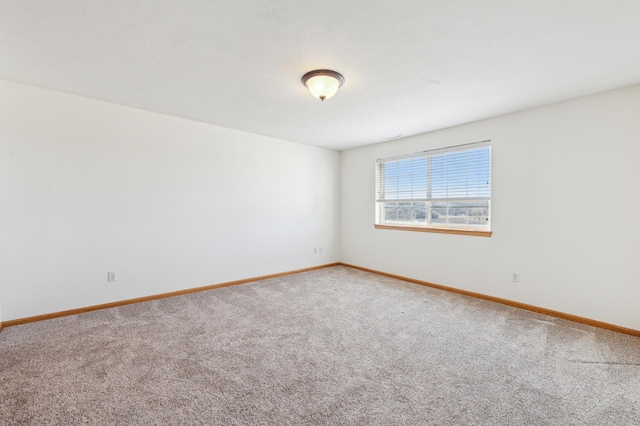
(455, 231)
(480, 230)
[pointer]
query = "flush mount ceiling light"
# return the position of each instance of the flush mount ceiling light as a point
(322, 84)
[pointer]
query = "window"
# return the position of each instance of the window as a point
(444, 190)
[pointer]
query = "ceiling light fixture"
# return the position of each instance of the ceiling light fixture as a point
(323, 84)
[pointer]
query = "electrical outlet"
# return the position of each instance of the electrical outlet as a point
(112, 276)
(515, 277)
(315, 250)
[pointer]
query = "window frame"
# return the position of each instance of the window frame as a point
(381, 201)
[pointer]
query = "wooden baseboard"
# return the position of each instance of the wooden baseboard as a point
(507, 302)
(52, 315)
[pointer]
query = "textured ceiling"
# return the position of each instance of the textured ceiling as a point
(410, 66)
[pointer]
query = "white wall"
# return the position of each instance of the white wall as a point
(566, 211)
(88, 186)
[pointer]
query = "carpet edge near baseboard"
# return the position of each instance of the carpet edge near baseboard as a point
(116, 304)
(519, 305)
(514, 304)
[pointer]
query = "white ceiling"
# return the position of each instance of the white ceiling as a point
(411, 66)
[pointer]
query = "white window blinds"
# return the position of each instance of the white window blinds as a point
(450, 186)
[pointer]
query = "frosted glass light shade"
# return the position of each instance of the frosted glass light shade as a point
(323, 84)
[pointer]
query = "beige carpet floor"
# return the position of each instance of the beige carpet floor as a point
(335, 346)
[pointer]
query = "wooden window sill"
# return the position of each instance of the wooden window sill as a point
(469, 232)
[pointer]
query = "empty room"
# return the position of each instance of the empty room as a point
(320, 213)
